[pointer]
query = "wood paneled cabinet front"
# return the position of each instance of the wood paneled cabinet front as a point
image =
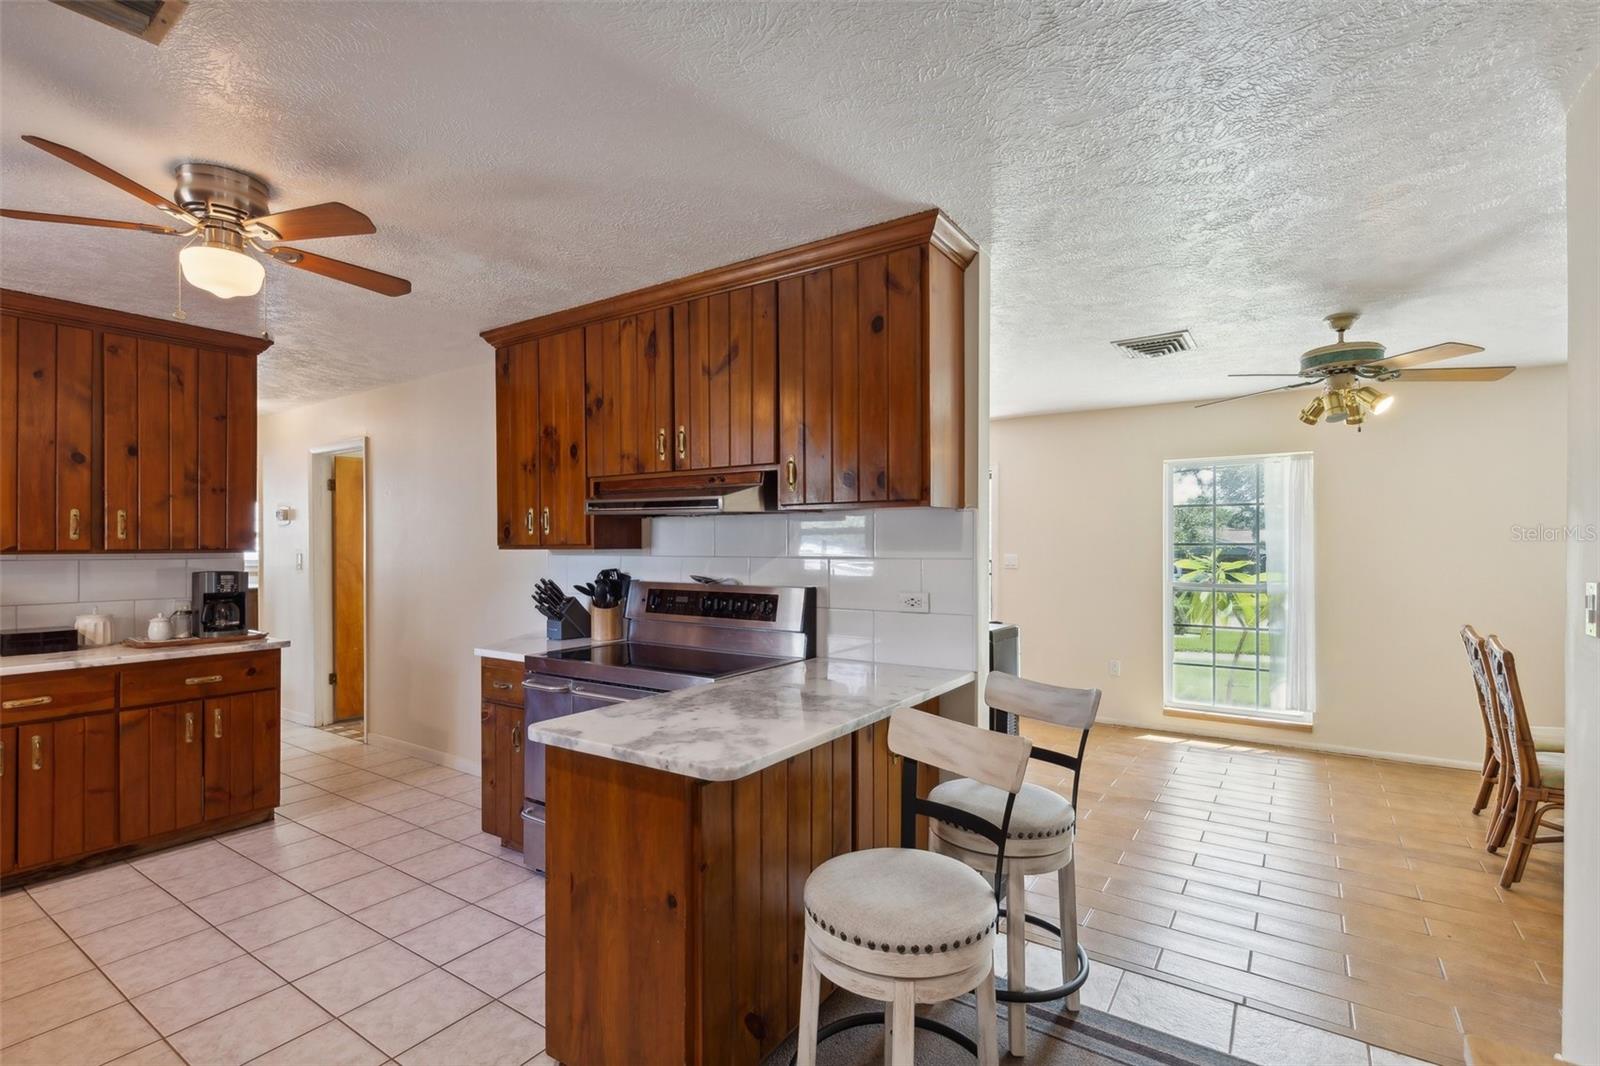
(500, 751)
(123, 433)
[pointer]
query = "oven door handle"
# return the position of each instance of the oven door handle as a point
(546, 688)
(590, 694)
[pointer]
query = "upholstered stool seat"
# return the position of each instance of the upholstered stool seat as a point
(1041, 820)
(902, 902)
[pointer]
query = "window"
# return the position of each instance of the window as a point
(1239, 595)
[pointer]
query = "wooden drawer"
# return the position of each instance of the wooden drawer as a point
(32, 697)
(502, 682)
(198, 678)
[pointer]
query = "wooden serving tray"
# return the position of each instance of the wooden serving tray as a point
(180, 642)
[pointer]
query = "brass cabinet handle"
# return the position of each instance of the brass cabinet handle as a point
(36, 743)
(661, 443)
(530, 520)
(32, 701)
(188, 727)
(209, 679)
(516, 738)
(544, 522)
(501, 685)
(792, 471)
(216, 722)
(122, 525)
(74, 524)
(683, 442)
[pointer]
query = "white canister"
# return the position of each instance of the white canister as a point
(159, 629)
(94, 630)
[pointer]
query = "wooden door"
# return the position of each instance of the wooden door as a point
(241, 453)
(725, 379)
(517, 445)
(36, 794)
(211, 458)
(349, 587)
(508, 773)
(492, 810)
(628, 394)
(160, 783)
(8, 799)
(66, 788)
(47, 406)
(563, 464)
(852, 383)
(240, 754)
(652, 387)
(120, 440)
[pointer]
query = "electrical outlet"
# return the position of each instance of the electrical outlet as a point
(1009, 561)
(1115, 667)
(914, 601)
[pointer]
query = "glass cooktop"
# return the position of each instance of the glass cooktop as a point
(664, 659)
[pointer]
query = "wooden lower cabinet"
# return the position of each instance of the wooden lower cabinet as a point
(66, 788)
(502, 767)
(161, 776)
(8, 799)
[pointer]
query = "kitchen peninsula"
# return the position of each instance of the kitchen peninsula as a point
(681, 831)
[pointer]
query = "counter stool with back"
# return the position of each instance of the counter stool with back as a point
(1041, 836)
(905, 926)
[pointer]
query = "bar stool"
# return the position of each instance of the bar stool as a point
(906, 926)
(1041, 834)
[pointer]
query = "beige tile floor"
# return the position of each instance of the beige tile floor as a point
(372, 922)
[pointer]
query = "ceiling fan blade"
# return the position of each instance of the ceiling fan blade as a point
(1263, 375)
(1432, 354)
(1458, 373)
(1263, 392)
(106, 174)
(319, 220)
(349, 273)
(79, 220)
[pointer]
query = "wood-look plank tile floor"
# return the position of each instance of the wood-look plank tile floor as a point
(1337, 905)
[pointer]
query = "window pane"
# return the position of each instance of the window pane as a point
(1236, 610)
(1238, 525)
(1191, 684)
(1236, 688)
(1238, 483)
(1192, 645)
(1191, 484)
(1191, 525)
(1191, 607)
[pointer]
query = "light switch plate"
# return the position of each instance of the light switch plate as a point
(1591, 608)
(1010, 561)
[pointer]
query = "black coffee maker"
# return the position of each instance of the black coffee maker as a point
(219, 603)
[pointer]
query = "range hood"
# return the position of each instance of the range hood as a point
(742, 492)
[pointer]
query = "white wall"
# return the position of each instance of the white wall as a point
(47, 590)
(437, 584)
(1580, 1037)
(1414, 529)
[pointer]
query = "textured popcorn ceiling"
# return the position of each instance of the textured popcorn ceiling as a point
(1237, 168)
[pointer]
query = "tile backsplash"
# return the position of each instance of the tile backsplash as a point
(860, 563)
(53, 590)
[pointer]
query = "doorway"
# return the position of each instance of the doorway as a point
(340, 586)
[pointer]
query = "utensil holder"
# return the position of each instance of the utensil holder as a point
(605, 623)
(572, 625)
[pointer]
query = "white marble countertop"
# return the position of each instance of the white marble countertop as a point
(121, 654)
(518, 648)
(731, 729)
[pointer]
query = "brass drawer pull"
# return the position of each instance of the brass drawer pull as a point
(74, 524)
(216, 722)
(36, 743)
(209, 679)
(122, 525)
(516, 738)
(544, 522)
(661, 443)
(530, 521)
(683, 442)
(502, 685)
(188, 727)
(33, 701)
(792, 471)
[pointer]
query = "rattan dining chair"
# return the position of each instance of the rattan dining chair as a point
(1538, 777)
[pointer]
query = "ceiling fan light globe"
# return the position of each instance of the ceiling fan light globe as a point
(1311, 413)
(1384, 402)
(222, 272)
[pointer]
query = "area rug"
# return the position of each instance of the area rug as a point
(1087, 1038)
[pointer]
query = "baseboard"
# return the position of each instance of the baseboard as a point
(442, 758)
(289, 715)
(1278, 739)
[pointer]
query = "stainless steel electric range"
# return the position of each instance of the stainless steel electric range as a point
(676, 636)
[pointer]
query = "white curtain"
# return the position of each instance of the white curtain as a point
(1287, 534)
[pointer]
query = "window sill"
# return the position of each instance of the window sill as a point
(1298, 725)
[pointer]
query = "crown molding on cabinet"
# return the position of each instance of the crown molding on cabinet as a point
(26, 304)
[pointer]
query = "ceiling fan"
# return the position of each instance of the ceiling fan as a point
(226, 212)
(1346, 370)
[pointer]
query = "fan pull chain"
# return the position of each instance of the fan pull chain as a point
(178, 314)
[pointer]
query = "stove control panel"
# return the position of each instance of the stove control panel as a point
(712, 602)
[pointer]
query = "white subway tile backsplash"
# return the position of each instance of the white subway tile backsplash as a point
(38, 581)
(950, 585)
(123, 623)
(754, 534)
(926, 533)
(946, 640)
(132, 579)
(835, 535)
(683, 536)
(846, 635)
(8, 618)
(737, 569)
(872, 584)
(787, 571)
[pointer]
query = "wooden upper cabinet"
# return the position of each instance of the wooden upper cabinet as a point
(725, 382)
(516, 408)
(46, 436)
(540, 442)
(123, 433)
(628, 402)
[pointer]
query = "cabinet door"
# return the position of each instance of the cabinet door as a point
(563, 463)
(66, 788)
(489, 765)
(160, 784)
(241, 453)
(8, 800)
(726, 408)
(241, 753)
(48, 400)
(211, 452)
(153, 519)
(509, 773)
(628, 394)
(8, 433)
(653, 381)
(183, 436)
(119, 429)
(517, 445)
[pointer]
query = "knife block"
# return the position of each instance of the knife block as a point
(605, 623)
(572, 625)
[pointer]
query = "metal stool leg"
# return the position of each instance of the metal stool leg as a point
(1016, 962)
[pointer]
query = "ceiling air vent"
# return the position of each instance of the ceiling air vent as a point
(1156, 345)
(148, 20)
